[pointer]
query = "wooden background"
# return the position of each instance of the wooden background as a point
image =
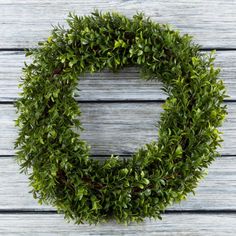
(119, 113)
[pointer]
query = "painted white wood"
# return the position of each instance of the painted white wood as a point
(216, 192)
(125, 85)
(180, 224)
(118, 128)
(24, 22)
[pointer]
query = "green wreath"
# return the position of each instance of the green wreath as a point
(158, 174)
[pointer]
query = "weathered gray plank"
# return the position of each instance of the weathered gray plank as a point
(24, 22)
(216, 192)
(172, 224)
(125, 85)
(117, 128)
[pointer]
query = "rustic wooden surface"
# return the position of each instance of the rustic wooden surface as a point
(215, 193)
(119, 115)
(116, 127)
(184, 224)
(124, 85)
(212, 22)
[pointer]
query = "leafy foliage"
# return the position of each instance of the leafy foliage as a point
(160, 173)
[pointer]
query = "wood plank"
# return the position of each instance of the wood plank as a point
(216, 192)
(24, 22)
(118, 128)
(172, 224)
(125, 85)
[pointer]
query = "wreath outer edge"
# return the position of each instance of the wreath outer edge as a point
(158, 174)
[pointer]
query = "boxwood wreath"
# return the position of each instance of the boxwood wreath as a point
(160, 173)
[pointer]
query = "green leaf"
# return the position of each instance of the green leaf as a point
(179, 150)
(145, 181)
(140, 52)
(117, 44)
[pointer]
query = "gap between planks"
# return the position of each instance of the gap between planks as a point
(166, 212)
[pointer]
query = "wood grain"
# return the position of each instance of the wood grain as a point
(179, 224)
(216, 192)
(123, 86)
(118, 128)
(24, 22)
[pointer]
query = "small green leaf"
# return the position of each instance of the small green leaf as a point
(140, 52)
(179, 150)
